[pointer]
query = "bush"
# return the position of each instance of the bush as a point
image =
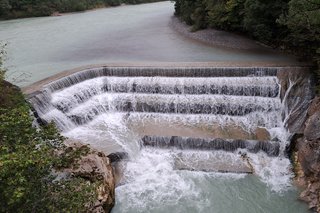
(28, 157)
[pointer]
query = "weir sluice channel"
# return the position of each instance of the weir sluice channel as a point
(212, 119)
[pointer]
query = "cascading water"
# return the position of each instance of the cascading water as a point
(201, 119)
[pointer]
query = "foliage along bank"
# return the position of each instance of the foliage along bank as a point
(291, 25)
(29, 8)
(33, 161)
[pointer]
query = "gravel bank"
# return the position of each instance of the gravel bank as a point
(216, 37)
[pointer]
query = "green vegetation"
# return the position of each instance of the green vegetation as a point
(29, 8)
(2, 55)
(292, 25)
(28, 157)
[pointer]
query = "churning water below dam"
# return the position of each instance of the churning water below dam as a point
(227, 123)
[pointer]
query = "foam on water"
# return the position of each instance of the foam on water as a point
(113, 127)
(153, 185)
(151, 182)
(275, 172)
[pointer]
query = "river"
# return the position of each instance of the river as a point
(41, 47)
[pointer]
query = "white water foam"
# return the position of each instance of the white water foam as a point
(151, 182)
(150, 175)
(275, 172)
(107, 133)
(113, 127)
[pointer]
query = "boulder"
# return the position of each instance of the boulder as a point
(96, 168)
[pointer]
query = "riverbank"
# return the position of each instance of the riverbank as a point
(216, 37)
(45, 8)
(305, 143)
(277, 25)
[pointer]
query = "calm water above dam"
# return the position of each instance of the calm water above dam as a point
(41, 47)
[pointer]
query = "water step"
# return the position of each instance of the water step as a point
(181, 104)
(251, 127)
(183, 143)
(237, 86)
(216, 161)
(165, 72)
(247, 86)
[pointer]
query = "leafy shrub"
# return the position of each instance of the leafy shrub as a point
(28, 157)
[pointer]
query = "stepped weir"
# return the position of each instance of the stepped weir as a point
(183, 108)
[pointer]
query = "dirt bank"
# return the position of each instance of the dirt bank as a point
(217, 37)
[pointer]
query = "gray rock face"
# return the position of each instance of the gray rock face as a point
(311, 196)
(296, 94)
(309, 157)
(96, 167)
(312, 130)
(308, 149)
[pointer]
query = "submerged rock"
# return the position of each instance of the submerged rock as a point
(118, 156)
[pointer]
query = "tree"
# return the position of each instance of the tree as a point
(303, 21)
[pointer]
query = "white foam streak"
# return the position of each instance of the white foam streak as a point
(60, 119)
(275, 172)
(107, 133)
(76, 94)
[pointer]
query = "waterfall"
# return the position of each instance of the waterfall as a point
(179, 109)
(81, 97)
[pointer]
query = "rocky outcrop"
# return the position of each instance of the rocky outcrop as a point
(96, 168)
(296, 95)
(308, 157)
